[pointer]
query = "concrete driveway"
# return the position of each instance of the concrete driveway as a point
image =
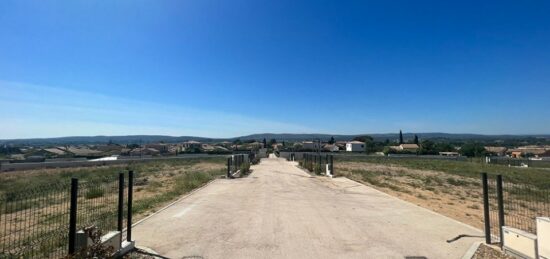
(279, 211)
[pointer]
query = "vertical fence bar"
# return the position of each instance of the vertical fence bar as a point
(500, 197)
(228, 167)
(331, 165)
(486, 208)
(72, 215)
(130, 196)
(120, 202)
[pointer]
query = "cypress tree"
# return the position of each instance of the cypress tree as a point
(400, 137)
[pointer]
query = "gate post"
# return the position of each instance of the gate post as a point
(72, 215)
(486, 208)
(500, 197)
(331, 165)
(130, 197)
(228, 167)
(120, 203)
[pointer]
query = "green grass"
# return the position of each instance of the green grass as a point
(533, 176)
(93, 193)
(18, 181)
(183, 184)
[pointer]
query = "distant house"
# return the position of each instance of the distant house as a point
(255, 145)
(355, 146)
(207, 147)
(109, 147)
(529, 151)
(144, 152)
(310, 145)
(331, 147)
(161, 147)
(409, 147)
(226, 144)
(497, 151)
(453, 154)
(83, 151)
(221, 148)
(191, 144)
(277, 146)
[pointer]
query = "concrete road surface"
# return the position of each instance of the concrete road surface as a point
(280, 211)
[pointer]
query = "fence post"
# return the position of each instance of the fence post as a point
(228, 167)
(486, 208)
(500, 197)
(120, 202)
(72, 215)
(130, 196)
(331, 165)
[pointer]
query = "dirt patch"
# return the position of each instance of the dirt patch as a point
(457, 197)
(488, 252)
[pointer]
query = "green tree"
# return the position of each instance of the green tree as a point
(331, 141)
(473, 150)
(428, 148)
(400, 137)
(364, 138)
(370, 147)
(415, 139)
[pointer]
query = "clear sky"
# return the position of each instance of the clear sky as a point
(229, 68)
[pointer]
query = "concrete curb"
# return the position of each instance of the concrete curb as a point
(174, 202)
(470, 253)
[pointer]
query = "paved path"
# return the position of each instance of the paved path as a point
(279, 211)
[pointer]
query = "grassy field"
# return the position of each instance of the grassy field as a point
(34, 204)
(452, 188)
(535, 176)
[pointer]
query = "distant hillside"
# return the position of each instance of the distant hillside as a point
(279, 137)
(133, 139)
(389, 136)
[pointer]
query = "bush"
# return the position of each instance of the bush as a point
(94, 193)
(245, 169)
(317, 169)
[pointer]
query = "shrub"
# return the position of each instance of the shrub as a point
(94, 193)
(245, 168)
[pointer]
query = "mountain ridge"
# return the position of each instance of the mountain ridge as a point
(144, 139)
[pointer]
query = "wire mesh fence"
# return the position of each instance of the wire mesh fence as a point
(35, 223)
(238, 165)
(519, 162)
(519, 207)
(317, 163)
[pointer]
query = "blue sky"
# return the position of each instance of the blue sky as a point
(229, 68)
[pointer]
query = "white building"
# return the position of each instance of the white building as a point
(310, 145)
(355, 146)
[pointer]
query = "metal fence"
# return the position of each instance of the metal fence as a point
(237, 165)
(520, 162)
(512, 204)
(317, 163)
(42, 222)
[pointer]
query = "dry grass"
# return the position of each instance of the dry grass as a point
(453, 196)
(34, 204)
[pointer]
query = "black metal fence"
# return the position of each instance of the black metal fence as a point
(317, 163)
(512, 204)
(42, 222)
(238, 165)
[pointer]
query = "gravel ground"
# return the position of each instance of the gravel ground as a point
(487, 252)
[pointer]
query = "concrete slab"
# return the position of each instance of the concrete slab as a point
(279, 211)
